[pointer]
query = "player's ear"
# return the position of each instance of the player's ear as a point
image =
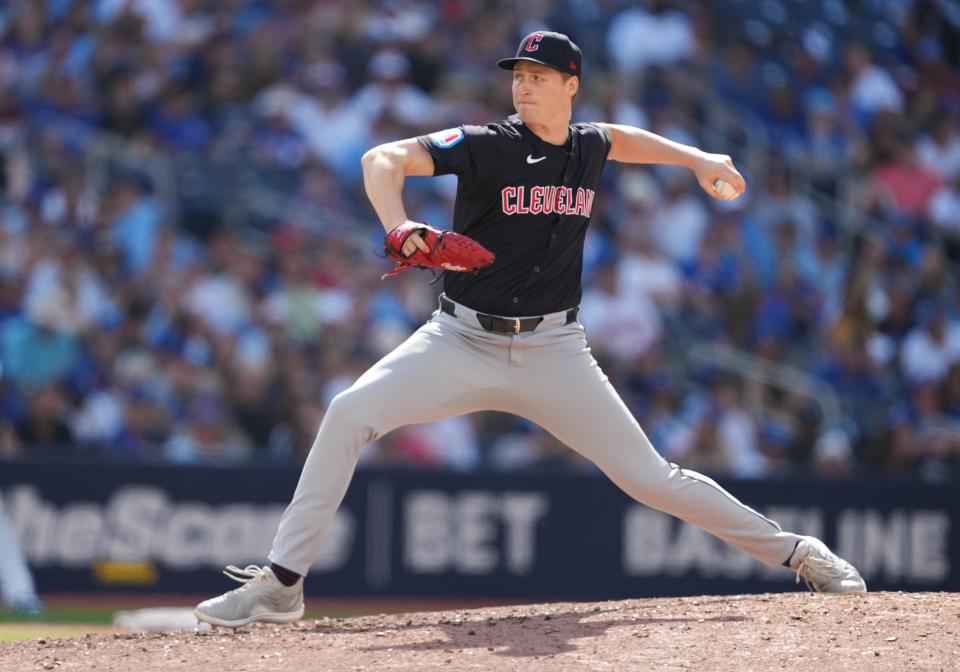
(573, 85)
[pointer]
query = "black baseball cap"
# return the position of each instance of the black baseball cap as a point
(554, 50)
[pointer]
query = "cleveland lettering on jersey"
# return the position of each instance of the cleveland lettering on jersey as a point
(527, 201)
(546, 200)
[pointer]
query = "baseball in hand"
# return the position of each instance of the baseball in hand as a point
(724, 190)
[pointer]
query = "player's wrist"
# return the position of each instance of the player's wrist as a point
(394, 223)
(694, 159)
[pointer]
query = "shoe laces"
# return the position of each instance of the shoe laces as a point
(815, 564)
(249, 574)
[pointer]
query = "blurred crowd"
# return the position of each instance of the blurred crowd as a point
(146, 320)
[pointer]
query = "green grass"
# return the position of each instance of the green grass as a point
(92, 615)
(63, 616)
(71, 620)
(15, 632)
(55, 622)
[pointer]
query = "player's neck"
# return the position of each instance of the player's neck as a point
(554, 132)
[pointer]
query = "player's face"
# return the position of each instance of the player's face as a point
(541, 94)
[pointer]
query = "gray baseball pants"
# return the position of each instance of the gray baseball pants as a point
(547, 376)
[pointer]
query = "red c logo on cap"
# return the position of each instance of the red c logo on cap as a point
(534, 42)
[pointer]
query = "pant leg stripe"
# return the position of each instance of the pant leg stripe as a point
(726, 494)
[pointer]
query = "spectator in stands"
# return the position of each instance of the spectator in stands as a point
(44, 423)
(736, 78)
(782, 202)
(932, 347)
(824, 267)
(736, 432)
(944, 211)
(827, 144)
(939, 150)
(133, 219)
(680, 219)
(923, 441)
(207, 435)
(145, 429)
(872, 89)
(899, 175)
(863, 388)
(273, 144)
(179, 124)
(653, 34)
(833, 455)
(783, 114)
(391, 94)
(715, 281)
(643, 271)
(678, 435)
(41, 347)
(321, 114)
(620, 327)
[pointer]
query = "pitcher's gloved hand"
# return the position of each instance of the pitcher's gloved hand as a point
(448, 251)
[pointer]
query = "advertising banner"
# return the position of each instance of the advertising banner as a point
(552, 536)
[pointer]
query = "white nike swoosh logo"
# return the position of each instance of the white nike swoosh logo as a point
(530, 159)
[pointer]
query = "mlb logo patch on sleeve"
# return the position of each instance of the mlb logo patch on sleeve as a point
(446, 139)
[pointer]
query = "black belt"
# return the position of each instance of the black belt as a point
(505, 325)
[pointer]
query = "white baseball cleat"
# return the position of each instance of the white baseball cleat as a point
(823, 570)
(262, 598)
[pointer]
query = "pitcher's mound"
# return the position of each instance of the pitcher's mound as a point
(790, 631)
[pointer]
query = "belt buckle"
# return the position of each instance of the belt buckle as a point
(516, 325)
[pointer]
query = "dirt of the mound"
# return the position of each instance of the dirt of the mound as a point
(793, 631)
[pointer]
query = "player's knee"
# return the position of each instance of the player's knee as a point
(349, 411)
(345, 406)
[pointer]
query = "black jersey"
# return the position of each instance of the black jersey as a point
(528, 202)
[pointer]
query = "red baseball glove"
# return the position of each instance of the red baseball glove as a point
(449, 251)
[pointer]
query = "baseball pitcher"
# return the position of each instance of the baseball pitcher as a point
(505, 336)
